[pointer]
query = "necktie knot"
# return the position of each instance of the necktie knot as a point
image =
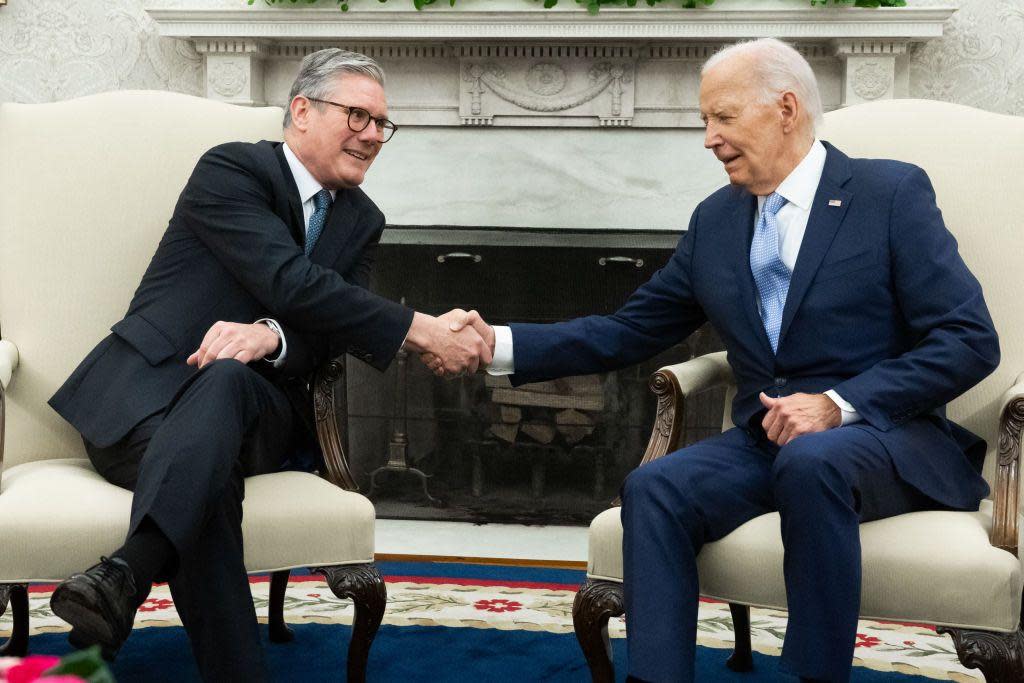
(774, 203)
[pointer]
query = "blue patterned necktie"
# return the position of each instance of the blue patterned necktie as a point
(322, 201)
(770, 274)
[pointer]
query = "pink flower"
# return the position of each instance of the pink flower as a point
(497, 605)
(31, 668)
(314, 595)
(62, 678)
(866, 641)
(154, 604)
(908, 642)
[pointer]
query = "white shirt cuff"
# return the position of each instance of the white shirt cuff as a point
(273, 324)
(502, 363)
(849, 413)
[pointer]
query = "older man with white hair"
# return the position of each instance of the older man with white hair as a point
(849, 319)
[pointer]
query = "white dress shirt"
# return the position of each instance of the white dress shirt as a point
(308, 188)
(799, 189)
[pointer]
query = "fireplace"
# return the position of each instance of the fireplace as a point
(515, 115)
(545, 453)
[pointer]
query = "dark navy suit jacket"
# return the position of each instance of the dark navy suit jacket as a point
(880, 308)
(233, 251)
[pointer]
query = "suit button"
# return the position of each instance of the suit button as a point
(780, 381)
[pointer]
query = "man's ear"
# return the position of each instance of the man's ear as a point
(789, 111)
(300, 107)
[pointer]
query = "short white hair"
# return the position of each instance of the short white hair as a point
(778, 68)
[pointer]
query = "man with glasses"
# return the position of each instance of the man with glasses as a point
(260, 277)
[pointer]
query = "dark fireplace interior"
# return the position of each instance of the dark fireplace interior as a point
(474, 448)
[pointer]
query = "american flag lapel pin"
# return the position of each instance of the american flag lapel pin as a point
(835, 202)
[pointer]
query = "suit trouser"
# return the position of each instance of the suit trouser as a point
(186, 466)
(823, 485)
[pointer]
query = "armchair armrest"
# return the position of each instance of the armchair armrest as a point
(1006, 495)
(8, 362)
(331, 413)
(672, 385)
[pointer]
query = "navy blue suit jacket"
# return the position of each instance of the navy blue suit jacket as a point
(880, 308)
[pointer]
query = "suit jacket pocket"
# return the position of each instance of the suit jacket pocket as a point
(845, 266)
(145, 338)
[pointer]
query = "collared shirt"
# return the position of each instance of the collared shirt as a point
(307, 184)
(799, 188)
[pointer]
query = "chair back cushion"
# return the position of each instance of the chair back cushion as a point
(974, 159)
(86, 189)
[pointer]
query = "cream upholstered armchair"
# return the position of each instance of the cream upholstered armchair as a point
(960, 571)
(86, 189)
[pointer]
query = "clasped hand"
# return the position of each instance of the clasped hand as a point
(452, 344)
(792, 416)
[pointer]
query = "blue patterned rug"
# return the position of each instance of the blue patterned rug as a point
(460, 622)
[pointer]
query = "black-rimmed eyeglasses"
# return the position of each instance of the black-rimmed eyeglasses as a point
(359, 119)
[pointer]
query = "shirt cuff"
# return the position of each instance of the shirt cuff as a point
(502, 363)
(849, 413)
(273, 324)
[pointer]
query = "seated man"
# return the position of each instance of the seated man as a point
(849, 319)
(260, 277)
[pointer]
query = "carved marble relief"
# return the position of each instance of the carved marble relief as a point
(547, 91)
(550, 87)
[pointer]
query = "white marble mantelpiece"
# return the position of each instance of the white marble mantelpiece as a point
(512, 63)
(516, 116)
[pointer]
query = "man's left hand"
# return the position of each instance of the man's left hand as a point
(243, 342)
(792, 416)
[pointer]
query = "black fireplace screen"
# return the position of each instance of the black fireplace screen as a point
(477, 449)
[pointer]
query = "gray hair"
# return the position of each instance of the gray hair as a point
(320, 70)
(778, 68)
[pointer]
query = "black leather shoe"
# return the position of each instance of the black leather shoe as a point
(99, 604)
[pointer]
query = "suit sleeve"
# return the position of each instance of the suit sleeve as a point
(229, 210)
(307, 352)
(955, 343)
(659, 314)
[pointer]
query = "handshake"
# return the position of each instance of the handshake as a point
(453, 344)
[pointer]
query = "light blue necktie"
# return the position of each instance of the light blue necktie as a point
(770, 274)
(322, 202)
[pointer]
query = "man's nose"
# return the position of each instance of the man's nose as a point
(711, 137)
(372, 132)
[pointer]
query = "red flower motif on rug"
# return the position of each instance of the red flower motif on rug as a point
(867, 641)
(154, 604)
(497, 605)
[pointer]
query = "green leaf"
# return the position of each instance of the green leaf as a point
(87, 664)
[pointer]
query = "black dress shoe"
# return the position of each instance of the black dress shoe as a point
(99, 604)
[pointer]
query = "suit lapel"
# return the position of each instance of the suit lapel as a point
(742, 227)
(297, 224)
(337, 233)
(822, 225)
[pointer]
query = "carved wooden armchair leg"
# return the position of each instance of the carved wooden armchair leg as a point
(17, 594)
(364, 585)
(595, 603)
(741, 659)
(279, 631)
(1000, 656)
